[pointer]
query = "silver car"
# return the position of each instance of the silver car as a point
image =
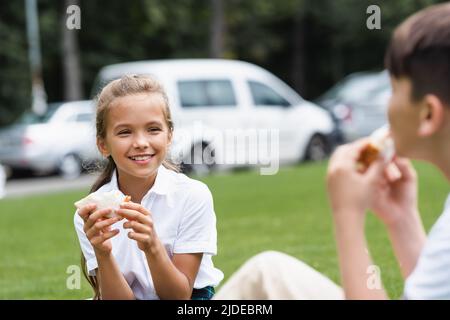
(61, 140)
(359, 103)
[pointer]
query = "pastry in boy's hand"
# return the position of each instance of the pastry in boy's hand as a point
(380, 145)
(111, 199)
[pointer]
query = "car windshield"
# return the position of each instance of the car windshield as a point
(33, 118)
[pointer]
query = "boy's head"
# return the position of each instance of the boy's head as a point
(418, 60)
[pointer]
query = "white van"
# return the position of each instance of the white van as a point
(234, 112)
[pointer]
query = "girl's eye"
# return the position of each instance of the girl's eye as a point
(123, 132)
(153, 129)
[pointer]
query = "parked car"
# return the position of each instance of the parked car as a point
(2, 181)
(60, 140)
(227, 95)
(359, 103)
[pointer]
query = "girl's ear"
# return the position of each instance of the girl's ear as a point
(431, 115)
(102, 147)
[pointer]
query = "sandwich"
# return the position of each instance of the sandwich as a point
(381, 145)
(111, 199)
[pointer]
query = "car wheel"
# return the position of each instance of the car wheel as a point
(70, 167)
(200, 163)
(317, 149)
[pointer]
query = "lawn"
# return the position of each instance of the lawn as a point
(286, 212)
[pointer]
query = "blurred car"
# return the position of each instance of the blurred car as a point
(2, 181)
(60, 140)
(358, 103)
(226, 95)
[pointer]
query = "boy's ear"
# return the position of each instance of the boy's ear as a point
(101, 145)
(431, 115)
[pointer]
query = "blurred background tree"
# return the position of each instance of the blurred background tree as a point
(309, 44)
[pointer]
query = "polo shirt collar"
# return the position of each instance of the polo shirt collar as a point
(162, 181)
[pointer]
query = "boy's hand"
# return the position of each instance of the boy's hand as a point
(350, 190)
(98, 228)
(396, 200)
(140, 221)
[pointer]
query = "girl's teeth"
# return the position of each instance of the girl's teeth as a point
(140, 158)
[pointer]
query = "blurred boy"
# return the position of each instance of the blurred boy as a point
(418, 60)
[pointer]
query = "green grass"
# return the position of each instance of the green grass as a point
(286, 212)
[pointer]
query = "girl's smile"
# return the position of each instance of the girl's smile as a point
(142, 159)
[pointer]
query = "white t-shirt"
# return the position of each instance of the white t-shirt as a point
(430, 280)
(184, 219)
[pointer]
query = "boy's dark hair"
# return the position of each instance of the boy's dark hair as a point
(420, 51)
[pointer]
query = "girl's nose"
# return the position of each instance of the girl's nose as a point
(140, 142)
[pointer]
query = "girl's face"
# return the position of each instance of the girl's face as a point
(137, 135)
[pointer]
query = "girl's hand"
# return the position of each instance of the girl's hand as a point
(350, 190)
(98, 228)
(395, 200)
(140, 221)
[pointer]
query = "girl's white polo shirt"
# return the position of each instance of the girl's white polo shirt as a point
(184, 220)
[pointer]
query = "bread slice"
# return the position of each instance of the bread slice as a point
(111, 199)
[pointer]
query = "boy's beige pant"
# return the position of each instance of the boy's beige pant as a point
(274, 276)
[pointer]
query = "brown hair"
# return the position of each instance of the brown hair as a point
(420, 50)
(127, 85)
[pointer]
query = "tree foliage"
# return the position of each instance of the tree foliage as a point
(309, 44)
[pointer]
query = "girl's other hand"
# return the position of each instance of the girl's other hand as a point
(140, 221)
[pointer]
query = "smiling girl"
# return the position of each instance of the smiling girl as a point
(161, 244)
